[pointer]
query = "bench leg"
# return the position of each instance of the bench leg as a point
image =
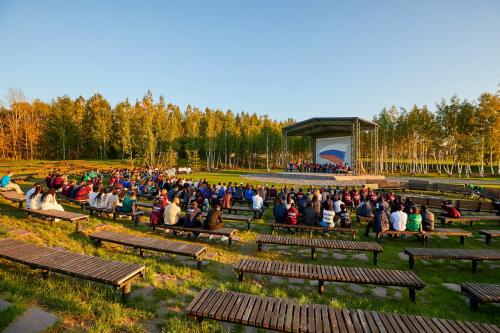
(412, 293)
(411, 262)
(313, 252)
(230, 241)
(474, 266)
(248, 225)
(126, 289)
(45, 274)
(462, 240)
(20, 204)
(473, 303)
(272, 230)
(321, 287)
(470, 223)
(310, 234)
(114, 215)
(375, 258)
(199, 320)
(77, 226)
(198, 263)
(353, 235)
(488, 240)
(259, 247)
(240, 276)
(141, 252)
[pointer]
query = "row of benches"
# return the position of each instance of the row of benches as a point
(285, 315)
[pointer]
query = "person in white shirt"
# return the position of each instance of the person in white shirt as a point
(30, 193)
(257, 201)
(36, 199)
(100, 200)
(171, 214)
(328, 215)
(336, 206)
(49, 201)
(92, 196)
(399, 219)
(112, 201)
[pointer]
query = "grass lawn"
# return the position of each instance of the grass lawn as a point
(86, 306)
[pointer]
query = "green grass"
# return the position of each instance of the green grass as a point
(87, 306)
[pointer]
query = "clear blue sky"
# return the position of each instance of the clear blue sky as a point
(283, 58)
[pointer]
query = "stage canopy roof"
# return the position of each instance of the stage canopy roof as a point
(327, 126)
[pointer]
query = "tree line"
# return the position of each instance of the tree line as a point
(458, 136)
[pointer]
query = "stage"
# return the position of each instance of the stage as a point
(314, 179)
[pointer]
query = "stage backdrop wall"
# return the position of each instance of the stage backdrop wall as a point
(334, 150)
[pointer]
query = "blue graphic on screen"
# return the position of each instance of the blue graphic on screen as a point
(333, 155)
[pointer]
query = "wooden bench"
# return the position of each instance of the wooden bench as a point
(361, 219)
(257, 213)
(232, 217)
(286, 315)
(115, 213)
(426, 234)
(311, 228)
(116, 273)
(489, 234)
(13, 196)
(457, 254)
(481, 293)
(81, 203)
(228, 232)
(57, 214)
(470, 219)
(453, 188)
(324, 273)
(314, 243)
(195, 251)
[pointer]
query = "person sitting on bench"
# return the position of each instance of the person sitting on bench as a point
(192, 219)
(213, 221)
(35, 201)
(381, 221)
(449, 210)
(83, 192)
(365, 209)
(93, 195)
(309, 216)
(279, 210)
(100, 199)
(292, 214)
(257, 201)
(226, 199)
(414, 220)
(129, 204)
(328, 216)
(49, 201)
(427, 219)
(399, 219)
(66, 190)
(7, 184)
(112, 201)
(29, 193)
(345, 216)
(172, 213)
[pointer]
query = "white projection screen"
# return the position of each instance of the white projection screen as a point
(333, 150)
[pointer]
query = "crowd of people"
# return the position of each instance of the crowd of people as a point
(325, 206)
(340, 168)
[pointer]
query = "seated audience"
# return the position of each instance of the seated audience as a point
(7, 184)
(381, 221)
(257, 201)
(35, 201)
(172, 212)
(29, 193)
(279, 210)
(112, 201)
(414, 220)
(49, 201)
(328, 216)
(399, 219)
(449, 210)
(83, 192)
(427, 219)
(309, 216)
(292, 214)
(193, 214)
(345, 217)
(213, 221)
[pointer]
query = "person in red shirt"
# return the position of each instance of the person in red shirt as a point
(292, 214)
(449, 210)
(83, 192)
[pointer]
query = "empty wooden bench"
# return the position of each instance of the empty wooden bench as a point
(469, 219)
(475, 255)
(13, 196)
(426, 234)
(286, 315)
(324, 273)
(311, 229)
(152, 244)
(57, 214)
(481, 293)
(228, 232)
(232, 217)
(256, 212)
(314, 243)
(133, 215)
(489, 234)
(115, 273)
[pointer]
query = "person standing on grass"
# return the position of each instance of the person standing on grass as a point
(7, 184)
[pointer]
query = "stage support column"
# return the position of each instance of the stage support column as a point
(284, 146)
(356, 148)
(377, 155)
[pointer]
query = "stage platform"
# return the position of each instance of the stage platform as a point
(315, 179)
